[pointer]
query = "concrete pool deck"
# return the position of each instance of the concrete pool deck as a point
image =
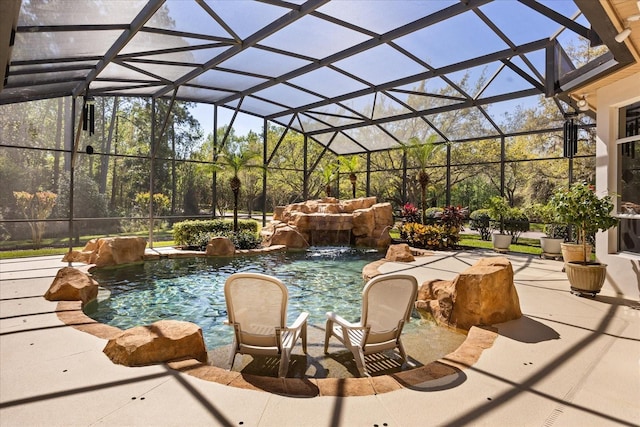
(568, 361)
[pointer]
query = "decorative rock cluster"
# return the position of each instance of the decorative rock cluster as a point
(109, 251)
(163, 341)
(328, 221)
(483, 294)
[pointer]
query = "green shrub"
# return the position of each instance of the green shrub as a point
(433, 212)
(245, 239)
(431, 236)
(479, 220)
(516, 223)
(193, 232)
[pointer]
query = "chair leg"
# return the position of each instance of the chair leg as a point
(403, 354)
(303, 336)
(232, 358)
(358, 355)
(284, 365)
(327, 335)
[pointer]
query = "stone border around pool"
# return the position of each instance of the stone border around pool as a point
(444, 373)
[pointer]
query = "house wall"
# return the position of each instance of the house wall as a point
(623, 271)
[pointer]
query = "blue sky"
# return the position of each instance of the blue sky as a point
(242, 125)
(505, 13)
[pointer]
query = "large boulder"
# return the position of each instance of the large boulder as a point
(119, 250)
(162, 341)
(278, 233)
(364, 222)
(399, 253)
(71, 284)
(220, 246)
(360, 203)
(109, 251)
(484, 294)
(383, 213)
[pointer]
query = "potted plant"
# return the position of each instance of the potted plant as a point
(516, 223)
(551, 242)
(555, 232)
(498, 210)
(582, 209)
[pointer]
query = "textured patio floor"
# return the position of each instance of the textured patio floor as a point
(568, 361)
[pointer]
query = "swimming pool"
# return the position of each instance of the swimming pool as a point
(192, 289)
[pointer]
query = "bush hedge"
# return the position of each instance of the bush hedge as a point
(480, 221)
(193, 232)
(516, 223)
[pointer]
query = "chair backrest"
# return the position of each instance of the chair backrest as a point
(258, 303)
(386, 300)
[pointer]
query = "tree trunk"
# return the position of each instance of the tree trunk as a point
(104, 160)
(353, 178)
(235, 188)
(423, 179)
(235, 210)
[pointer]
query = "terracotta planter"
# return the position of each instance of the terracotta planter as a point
(551, 246)
(501, 242)
(586, 278)
(573, 252)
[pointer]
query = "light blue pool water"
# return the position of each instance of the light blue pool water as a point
(192, 289)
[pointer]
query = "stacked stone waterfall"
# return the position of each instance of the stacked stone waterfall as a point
(329, 221)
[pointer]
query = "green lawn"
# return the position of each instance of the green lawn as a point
(524, 246)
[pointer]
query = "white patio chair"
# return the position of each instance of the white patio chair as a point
(257, 310)
(387, 302)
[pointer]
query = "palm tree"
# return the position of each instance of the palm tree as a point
(236, 158)
(423, 152)
(351, 165)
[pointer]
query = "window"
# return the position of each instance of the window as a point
(628, 147)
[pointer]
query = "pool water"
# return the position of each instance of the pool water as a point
(192, 289)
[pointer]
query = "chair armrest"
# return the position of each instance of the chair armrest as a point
(302, 319)
(342, 321)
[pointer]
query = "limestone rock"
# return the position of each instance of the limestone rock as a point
(300, 220)
(70, 284)
(364, 222)
(383, 213)
(162, 341)
(119, 250)
(78, 256)
(484, 294)
(399, 253)
(220, 246)
(430, 289)
(329, 208)
(283, 234)
(109, 251)
(360, 203)
(278, 212)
